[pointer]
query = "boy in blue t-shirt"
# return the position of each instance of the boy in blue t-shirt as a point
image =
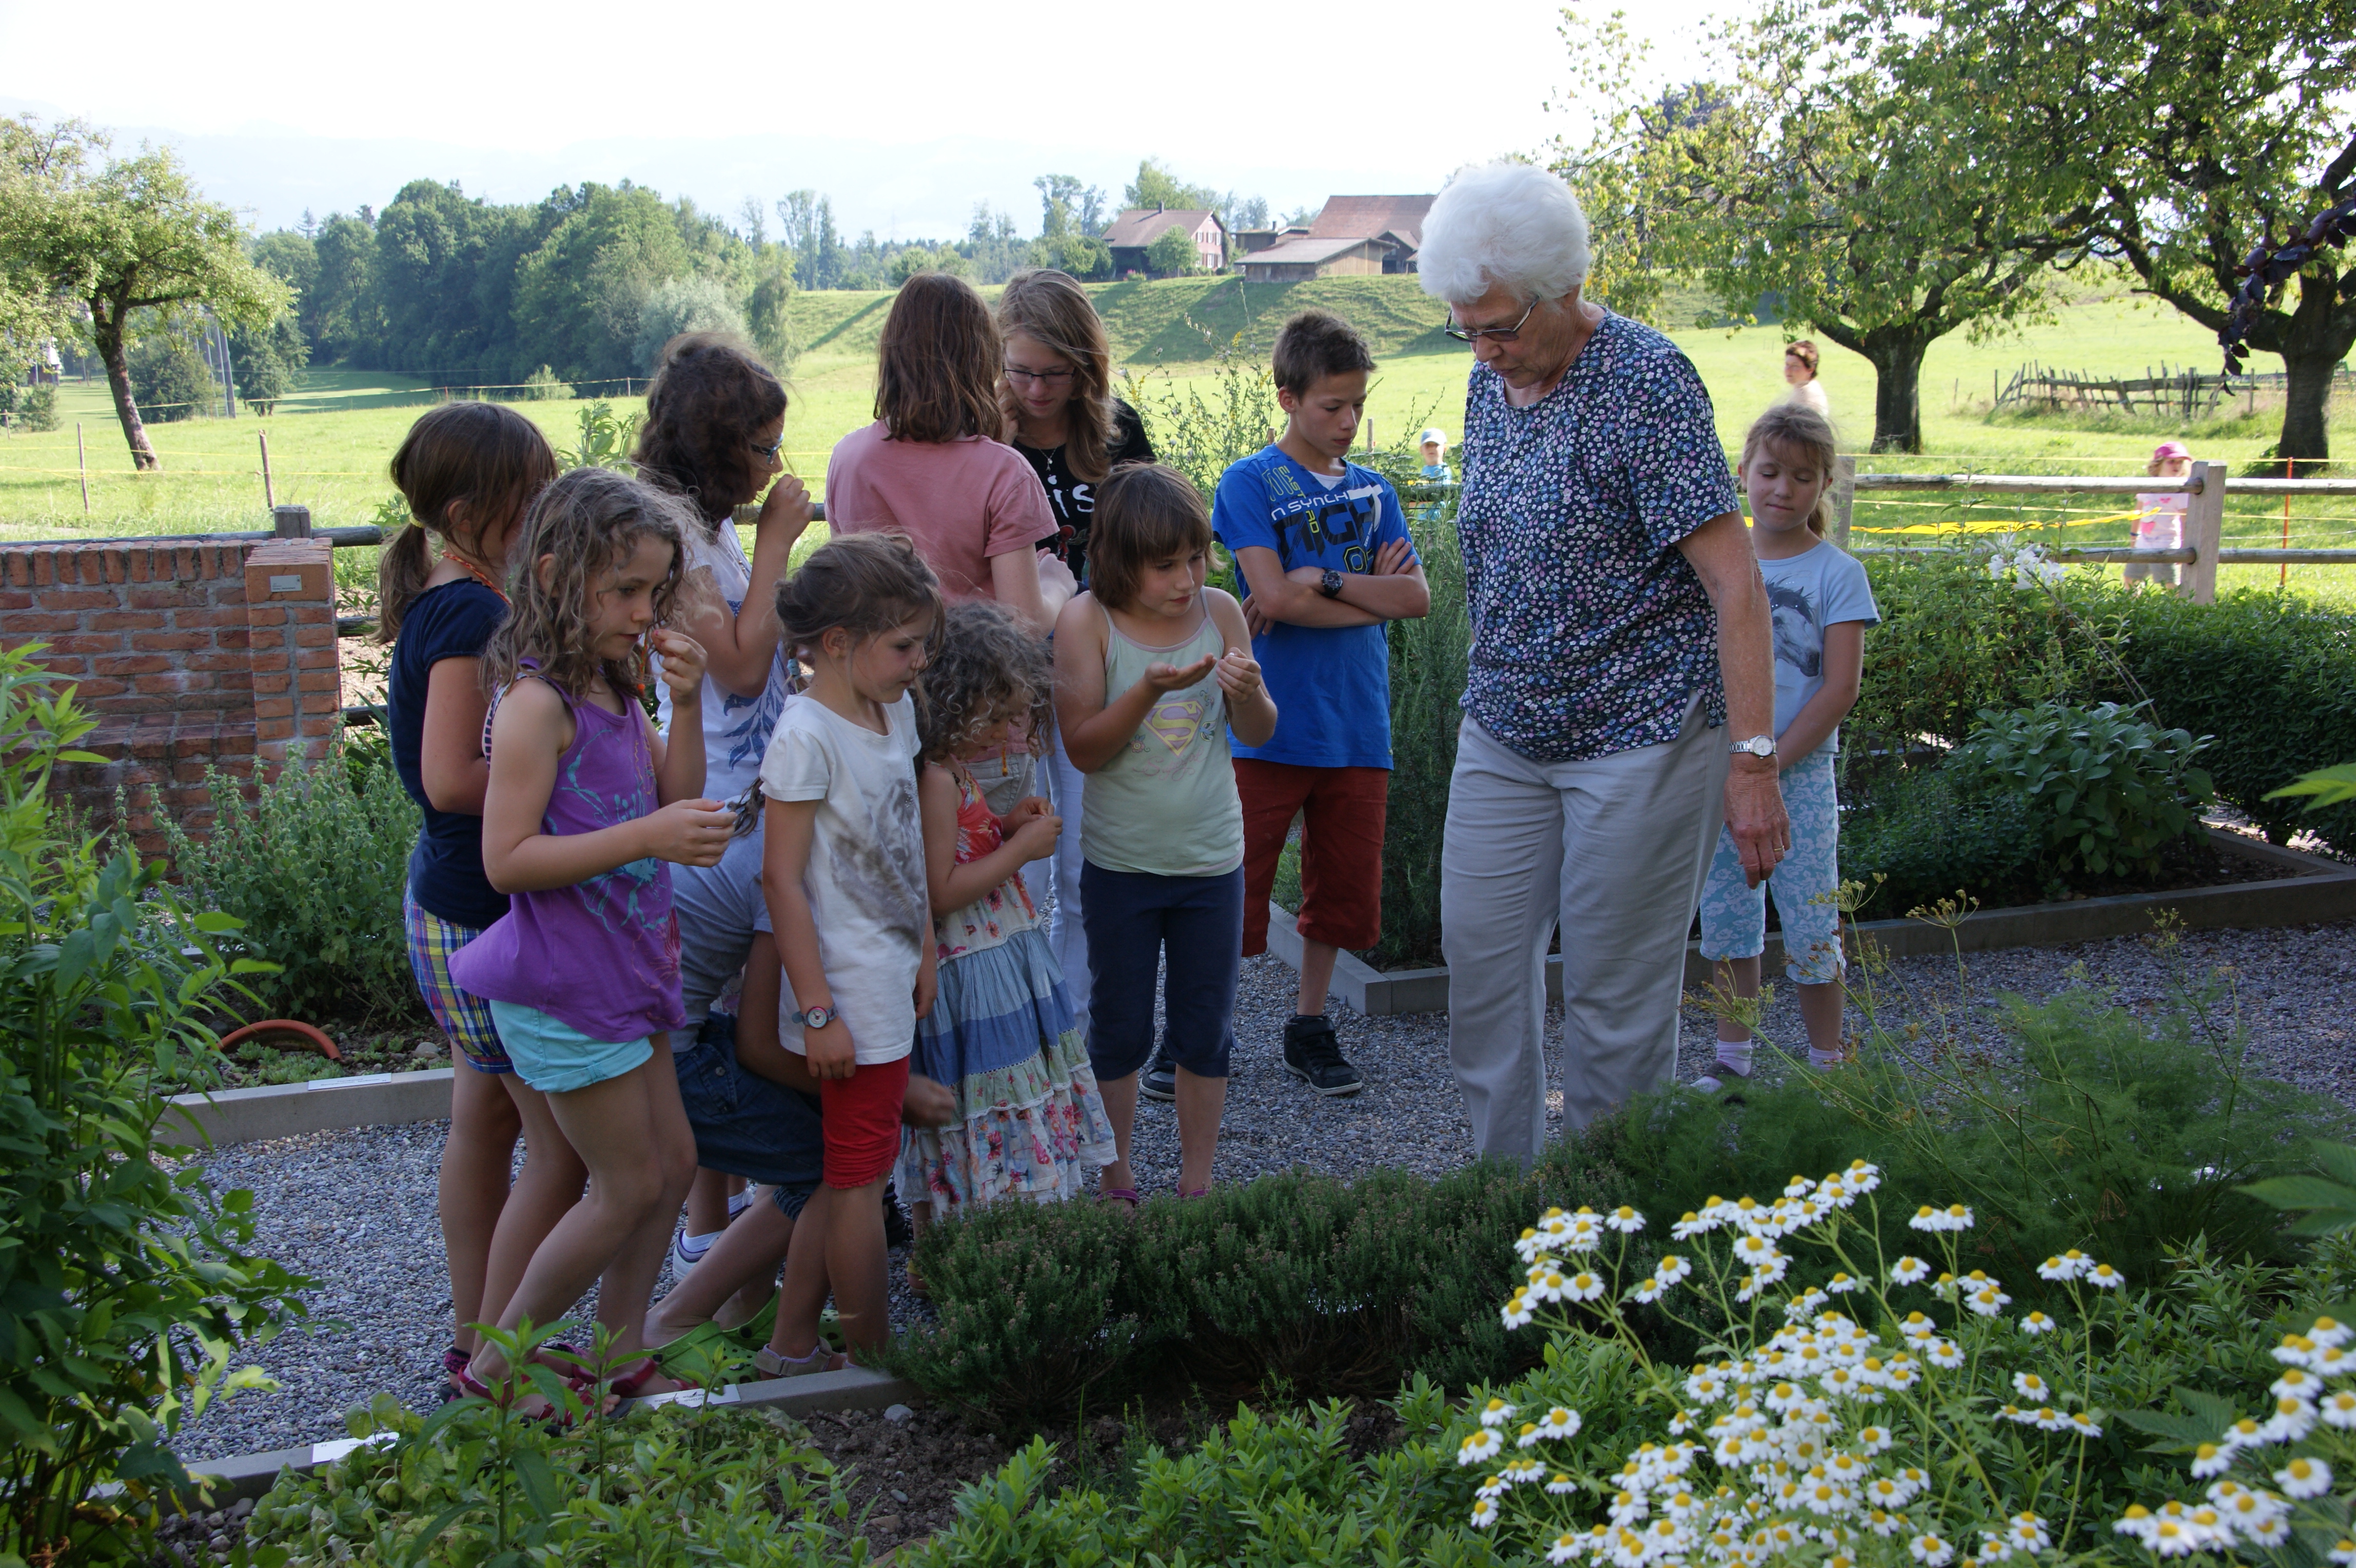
(1324, 551)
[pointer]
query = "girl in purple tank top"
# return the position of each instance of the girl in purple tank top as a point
(587, 806)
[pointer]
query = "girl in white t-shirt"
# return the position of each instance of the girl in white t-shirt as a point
(843, 875)
(714, 423)
(2160, 525)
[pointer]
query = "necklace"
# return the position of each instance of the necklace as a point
(476, 572)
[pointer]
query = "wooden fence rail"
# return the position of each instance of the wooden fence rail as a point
(2181, 393)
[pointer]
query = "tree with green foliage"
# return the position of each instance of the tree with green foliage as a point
(1067, 206)
(680, 304)
(1173, 254)
(1835, 167)
(123, 237)
(169, 378)
(580, 296)
(2180, 137)
(267, 361)
(765, 310)
(340, 313)
(1156, 187)
(1083, 256)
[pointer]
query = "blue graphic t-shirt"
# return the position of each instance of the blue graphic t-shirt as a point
(454, 621)
(736, 729)
(1332, 685)
(1806, 593)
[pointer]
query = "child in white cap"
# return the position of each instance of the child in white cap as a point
(2159, 521)
(1435, 467)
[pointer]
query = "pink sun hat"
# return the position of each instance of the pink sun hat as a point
(2168, 449)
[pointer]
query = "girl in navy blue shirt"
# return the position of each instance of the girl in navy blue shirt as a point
(467, 470)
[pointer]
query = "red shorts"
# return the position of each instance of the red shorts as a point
(861, 1116)
(1341, 850)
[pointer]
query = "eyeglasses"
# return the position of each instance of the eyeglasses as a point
(770, 451)
(1494, 334)
(1052, 377)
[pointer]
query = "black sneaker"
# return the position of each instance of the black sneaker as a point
(896, 1220)
(1160, 1079)
(1311, 1056)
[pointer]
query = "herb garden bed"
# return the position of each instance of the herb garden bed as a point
(2302, 888)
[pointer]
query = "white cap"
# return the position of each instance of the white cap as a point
(1432, 432)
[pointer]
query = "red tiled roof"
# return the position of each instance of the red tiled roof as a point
(1364, 217)
(1142, 226)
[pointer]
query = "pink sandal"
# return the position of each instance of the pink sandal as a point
(1119, 1195)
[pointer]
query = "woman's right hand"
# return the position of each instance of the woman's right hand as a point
(829, 1052)
(1034, 838)
(689, 833)
(1178, 677)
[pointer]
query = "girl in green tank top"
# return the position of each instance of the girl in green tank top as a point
(1152, 668)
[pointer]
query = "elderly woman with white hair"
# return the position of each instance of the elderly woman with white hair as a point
(1620, 698)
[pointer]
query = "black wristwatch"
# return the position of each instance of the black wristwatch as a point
(1329, 584)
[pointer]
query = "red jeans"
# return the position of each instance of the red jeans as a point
(1340, 851)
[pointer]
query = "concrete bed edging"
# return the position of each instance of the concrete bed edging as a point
(240, 1476)
(320, 1105)
(2312, 889)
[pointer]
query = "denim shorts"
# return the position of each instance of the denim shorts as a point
(744, 1125)
(1135, 920)
(1734, 918)
(554, 1057)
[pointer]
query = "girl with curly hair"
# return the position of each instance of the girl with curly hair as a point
(586, 809)
(1002, 1034)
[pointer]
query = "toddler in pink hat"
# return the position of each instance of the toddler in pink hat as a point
(2159, 520)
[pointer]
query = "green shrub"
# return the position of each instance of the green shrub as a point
(1280, 1491)
(38, 411)
(314, 868)
(126, 1284)
(543, 386)
(471, 1486)
(1429, 662)
(2106, 790)
(1302, 1280)
(170, 380)
(1920, 835)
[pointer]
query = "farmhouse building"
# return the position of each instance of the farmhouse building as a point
(1134, 232)
(1351, 234)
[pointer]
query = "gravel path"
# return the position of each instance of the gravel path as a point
(356, 1209)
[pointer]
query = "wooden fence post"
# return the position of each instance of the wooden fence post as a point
(291, 521)
(1844, 498)
(2204, 531)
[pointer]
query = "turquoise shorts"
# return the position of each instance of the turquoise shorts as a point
(554, 1057)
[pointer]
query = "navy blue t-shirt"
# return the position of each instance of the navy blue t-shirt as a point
(445, 870)
(1332, 683)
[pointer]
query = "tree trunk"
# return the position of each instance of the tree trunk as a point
(2308, 391)
(106, 336)
(1897, 357)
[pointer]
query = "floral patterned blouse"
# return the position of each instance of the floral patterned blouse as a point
(1590, 631)
(1005, 908)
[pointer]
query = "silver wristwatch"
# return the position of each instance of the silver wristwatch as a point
(816, 1017)
(1759, 746)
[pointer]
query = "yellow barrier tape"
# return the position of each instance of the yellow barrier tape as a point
(2012, 527)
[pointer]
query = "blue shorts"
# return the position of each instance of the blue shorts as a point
(1734, 918)
(744, 1125)
(554, 1057)
(1134, 921)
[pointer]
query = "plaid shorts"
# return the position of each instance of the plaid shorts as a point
(464, 1016)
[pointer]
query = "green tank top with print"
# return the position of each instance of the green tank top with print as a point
(1166, 803)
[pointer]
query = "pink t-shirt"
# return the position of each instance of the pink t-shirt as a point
(960, 501)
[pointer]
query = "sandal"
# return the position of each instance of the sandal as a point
(1198, 1192)
(471, 1387)
(823, 1358)
(1119, 1195)
(455, 1362)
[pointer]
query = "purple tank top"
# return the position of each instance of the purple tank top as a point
(601, 955)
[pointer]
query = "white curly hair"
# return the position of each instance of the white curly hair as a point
(1505, 223)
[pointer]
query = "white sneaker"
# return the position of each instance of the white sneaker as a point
(823, 1358)
(741, 1201)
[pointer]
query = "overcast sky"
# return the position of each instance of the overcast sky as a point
(906, 113)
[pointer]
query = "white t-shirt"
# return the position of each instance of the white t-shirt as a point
(866, 877)
(1811, 394)
(2160, 525)
(736, 729)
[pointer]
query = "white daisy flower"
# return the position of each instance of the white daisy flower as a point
(1691, 1226)
(1528, 1436)
(1480, 1447)
(1565, 1547)
(2138, 1523)
(1560, 1486)
(1485, 1512)
(1496, 1413)
(2084, 1423)
(2267, 1529)
(2296, 1351)
(1517, 1311)
(1648, 1289)
(1928, 1219)
(1958, 1218)
(2026, 1533)
(2297, 1382)
(1944, 1354)
(1671, 1269)
(2304, 1477)
(1583, 1287)
(2330, 1333)
(1910, 1271)
(1931, 1551)
(2057, 1268)
(2028, 1385)
(1558, 1424)
(2104, 1277)
(2038, 1322)
(2292, 1420)
(2344, 1553)
(2339, 1409)
(1841, 1283)
(1521, 1472)
(1874, 1439)
(1625, 1220)
(2244, 1434)
(1987, 1301)
(1528, 1245)
(2212, 1459)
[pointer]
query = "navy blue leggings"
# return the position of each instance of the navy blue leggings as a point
(1131, 918)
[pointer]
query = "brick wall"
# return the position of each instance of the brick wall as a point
(189, 655)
